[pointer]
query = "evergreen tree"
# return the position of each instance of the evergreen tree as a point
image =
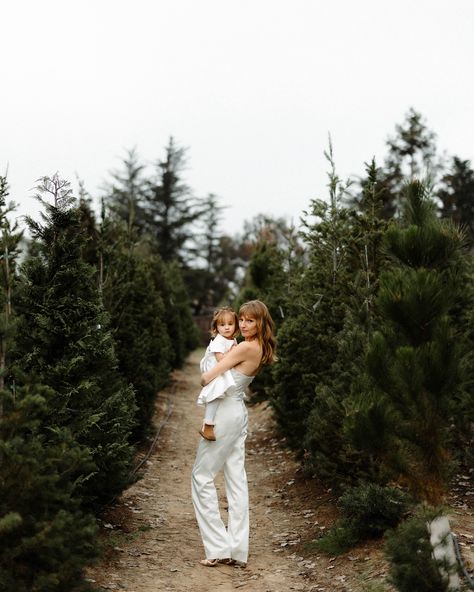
(323, 340)
(415, 563)
(46, 539)
(457, 195)
(412, 151)
(209, 275)
(125, 194)
(9, 250)
(182, 330)
(414, 359)
(330, 454)
(170, 208)
(64, 341)
(88, 226)
(307, 339)
(266, 278)
(133, 283)
(275, 262)
(411, 154)
(137, 314)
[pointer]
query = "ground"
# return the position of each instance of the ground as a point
(151, 539)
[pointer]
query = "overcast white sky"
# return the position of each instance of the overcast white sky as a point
(251, 87)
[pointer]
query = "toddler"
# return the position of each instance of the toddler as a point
(224, 327)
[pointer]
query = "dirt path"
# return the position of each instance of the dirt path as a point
(152, 538)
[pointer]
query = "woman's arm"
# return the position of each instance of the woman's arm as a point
(233, 357)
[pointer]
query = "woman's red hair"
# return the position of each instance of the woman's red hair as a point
(256, 309)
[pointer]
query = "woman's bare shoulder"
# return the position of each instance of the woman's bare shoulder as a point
(249, 346)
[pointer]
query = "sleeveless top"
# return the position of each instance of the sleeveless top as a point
(242, 381)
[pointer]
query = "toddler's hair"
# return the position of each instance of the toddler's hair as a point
(219, 314)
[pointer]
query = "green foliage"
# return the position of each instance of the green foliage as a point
(373, 586)
(125, 193)
(182, 330)
(410, 553)
(45, 537)
(367, 512)
(411, 154)
(64, 341)
(9, 249)
(308, 338)
(457, 195)
(462, 315)
(137, 314)
(265, 279)
(273, 265)
(211, 272)
(339, 539)
(372, 509)
(415, 359)
(158, 210)
(294, 378)
(169, 207)
(323, 339)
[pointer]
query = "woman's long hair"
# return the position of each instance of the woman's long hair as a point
(256, 309)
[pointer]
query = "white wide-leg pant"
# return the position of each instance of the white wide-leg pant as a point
(228, 453)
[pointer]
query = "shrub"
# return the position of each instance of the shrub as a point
(411, 556)
(368, 511)
(46, 539)
(372, 509)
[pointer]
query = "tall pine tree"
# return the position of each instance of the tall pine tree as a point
(46, 537)
(64, 342)
(170, 208)
(414, 359)
(457, 195)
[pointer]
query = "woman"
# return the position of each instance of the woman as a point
(228, 451)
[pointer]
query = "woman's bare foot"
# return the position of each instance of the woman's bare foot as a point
(209, 562)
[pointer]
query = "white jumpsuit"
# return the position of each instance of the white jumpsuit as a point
(228, 453)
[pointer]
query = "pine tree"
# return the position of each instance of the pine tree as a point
(126, 268)
(412, 151)
(307, 339)
(329, 451)
(414, 359)
(9, 250)
(46, 538)
(266, 279)
(208, 275)
(457, 195)
(411, 154)
(125, 194)
(64, 342)
(137, 314)
(170, 208)
(323, 340)
(181, 327)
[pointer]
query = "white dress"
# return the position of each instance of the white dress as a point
(217, 387)
(228, 453)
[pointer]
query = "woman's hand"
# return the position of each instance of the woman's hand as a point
(204, 380)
